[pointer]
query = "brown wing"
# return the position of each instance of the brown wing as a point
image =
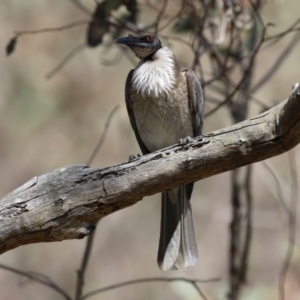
(131, 114)
(177, 243)
(196, 101)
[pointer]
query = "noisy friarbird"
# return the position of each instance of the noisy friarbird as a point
(165, 105)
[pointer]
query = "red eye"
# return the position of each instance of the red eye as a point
(149, 38)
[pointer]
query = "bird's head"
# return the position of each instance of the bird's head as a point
(143, 46)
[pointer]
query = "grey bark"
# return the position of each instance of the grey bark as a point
(65, 203)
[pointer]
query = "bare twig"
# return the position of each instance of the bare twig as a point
(292, 226)
(159, 16)
(90, 239)
(103, 135)
(243, 79)
(81, 7)
(248, 234)
(74, 52)
(115, 60)
(235, 240)
(282, 34)
(157, 10)
(172, 19)
(243, 93)
(84, 263)
(54, 29)
(122, 52)
(272, 71)
(278, 187)
(40, 278)
(177, 39)
(240, 234)
(152, 279)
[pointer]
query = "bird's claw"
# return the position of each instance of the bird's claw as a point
(132, 157)
(185, 142)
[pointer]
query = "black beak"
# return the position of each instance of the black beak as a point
(142, 46)
(130, 41)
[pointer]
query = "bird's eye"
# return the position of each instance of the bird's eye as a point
(149, 38)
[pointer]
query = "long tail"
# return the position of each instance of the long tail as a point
(177, 243)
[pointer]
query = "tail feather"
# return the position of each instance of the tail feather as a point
(177, 244)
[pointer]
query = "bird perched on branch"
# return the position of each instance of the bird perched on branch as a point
(165, 105)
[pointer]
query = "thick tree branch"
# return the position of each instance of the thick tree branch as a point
(65, 203)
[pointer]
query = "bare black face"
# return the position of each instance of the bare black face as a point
(142, 46)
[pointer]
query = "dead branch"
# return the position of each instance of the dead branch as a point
(40, 278)
(153, 279)
(65, 203)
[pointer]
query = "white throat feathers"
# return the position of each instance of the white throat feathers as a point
(155, 76)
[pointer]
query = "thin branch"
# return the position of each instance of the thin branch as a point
(81, 7)
(84, 263)
(281, 58)
(129, 25)
(292, 226)
(248, 234)
(243, 79)
(103, 135)
(53, 29)
(172, 19)
(160, 15)
(278, 187)
(235, 235)
(90, 239)
(44, 280)
(224, 69)
(282, 34)
(11, 46)
(221, 91)
(74, 52)
(153, 279)
(157, 10)
(177, 39)
(115, 60)
(241, 235)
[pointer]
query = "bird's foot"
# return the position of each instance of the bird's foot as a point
(132, 157)
(189, 142)
(185, 142)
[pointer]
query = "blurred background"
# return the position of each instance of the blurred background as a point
(50, 123)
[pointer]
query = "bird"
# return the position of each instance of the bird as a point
(165, 105)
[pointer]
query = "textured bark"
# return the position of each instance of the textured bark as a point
(65, 203)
